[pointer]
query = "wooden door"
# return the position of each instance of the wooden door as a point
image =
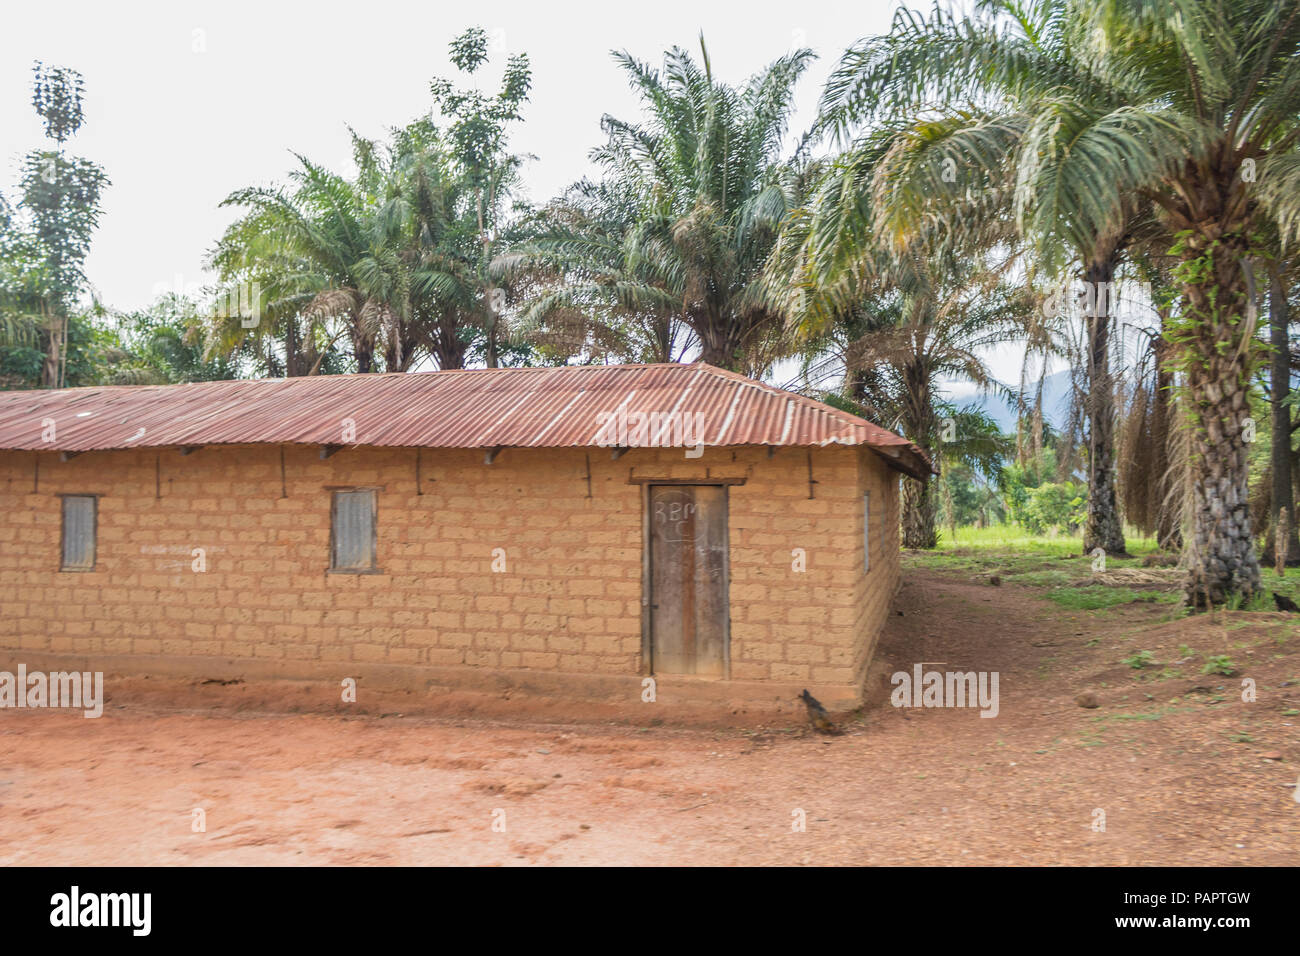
(689, 612)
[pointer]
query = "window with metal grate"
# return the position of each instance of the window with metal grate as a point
(80, 515)
(352, 531)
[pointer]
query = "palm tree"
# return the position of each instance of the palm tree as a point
(712, 189)
(391, 259)
(1011, 105)
(976, 458)
(1204, 126)
(1218, 84)
(930, 321)
(428, 257)
(572, 270)
(299, 246)
(1281, 272)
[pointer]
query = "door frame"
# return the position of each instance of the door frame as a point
(647, 571)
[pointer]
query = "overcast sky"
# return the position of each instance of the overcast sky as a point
(186, 102)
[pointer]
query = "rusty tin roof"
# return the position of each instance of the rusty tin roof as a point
(470, 408)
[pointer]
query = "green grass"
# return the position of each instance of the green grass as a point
(1055, 562)
(1012, 538)
(1288, 585)
(1097, 596)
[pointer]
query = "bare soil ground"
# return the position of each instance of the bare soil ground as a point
(1185, 771)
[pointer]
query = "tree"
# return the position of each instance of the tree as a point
(1205, 129)
(388, 261)
(1282, 494)
(45, 239)
(711, 190)
(477, 140)
(576, 262)
(969, 499)
(930, 321)
(293, 257)
(1013, 112)
(163, 345)
(1216, 87)
(898, 320)
(973, 475)
(396, 258)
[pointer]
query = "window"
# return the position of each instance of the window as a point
(866, 531)
(352, 531)
(80, 514)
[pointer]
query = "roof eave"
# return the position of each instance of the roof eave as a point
(908, 459)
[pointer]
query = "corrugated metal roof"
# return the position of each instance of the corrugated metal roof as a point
(471, 408)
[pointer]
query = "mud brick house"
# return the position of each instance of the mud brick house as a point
(565, 530)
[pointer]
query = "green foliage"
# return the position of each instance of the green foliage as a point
(969, 500)
(389, 268)
(163, 345)
(973, 478)
(477, 132)
(88, 352)
(45, 238)
(20, 366)
(1258, 601)
(1219, 664)
(683, 222)
(1052, 506)
(1037, 503)
(1139, 660)
(56, 95)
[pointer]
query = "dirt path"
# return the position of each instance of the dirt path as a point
(931, 786)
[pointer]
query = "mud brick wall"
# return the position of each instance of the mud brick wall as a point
(876, 589)
(569, 599)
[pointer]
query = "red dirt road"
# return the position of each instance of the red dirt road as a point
(939, 786)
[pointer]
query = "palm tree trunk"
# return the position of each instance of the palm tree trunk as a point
(1280, 374)
(1221, 551)
(920, 503)
(1103, 528)
(919, 514)
(661, 333)
(363, 349)
(293, 364)
(720, 339)
(448, 349)
(1169, 533)
(720, 356)
(950, 507)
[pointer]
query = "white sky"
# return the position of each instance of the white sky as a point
(188, 101)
